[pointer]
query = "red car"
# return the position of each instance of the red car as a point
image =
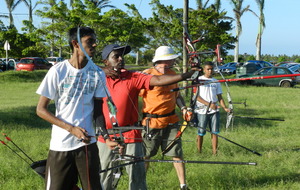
(32, 63)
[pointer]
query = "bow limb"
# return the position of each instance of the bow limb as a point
(177, 137)
(230, 105)
(229, 119)
(193, 56)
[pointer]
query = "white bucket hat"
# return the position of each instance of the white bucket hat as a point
(164, 53)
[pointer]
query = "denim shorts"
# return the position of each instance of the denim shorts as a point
(212, 121)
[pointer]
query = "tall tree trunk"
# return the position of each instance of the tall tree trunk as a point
(262, 25)
(11, 19)
(258, 47)
(137, 58)
(236, 49)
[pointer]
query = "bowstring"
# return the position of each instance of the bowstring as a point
(127, 42)
(111, 106)
(84, 127)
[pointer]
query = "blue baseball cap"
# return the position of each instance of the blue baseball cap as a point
(111, 47)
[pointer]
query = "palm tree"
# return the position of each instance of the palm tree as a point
(201, 4)
(11, 5)
(217, 5)
(102, 4)
(262, 25)
(3, 16)
(238, 12)
(49, 4)
(98, 3)
(28, 4)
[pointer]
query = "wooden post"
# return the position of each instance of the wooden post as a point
(184, 53)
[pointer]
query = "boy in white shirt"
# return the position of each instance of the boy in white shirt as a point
(74, 85)
(209, 95)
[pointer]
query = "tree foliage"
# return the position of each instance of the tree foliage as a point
(144, 35)
(165, 28)
(19, 44)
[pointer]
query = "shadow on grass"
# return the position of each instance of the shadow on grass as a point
(24, 116)
(267, 180)
(253, 121)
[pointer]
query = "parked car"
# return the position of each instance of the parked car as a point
(295, 68)
(228, 68)
(32, 63)
(251, 66)
(267, 71)
(281, 64)
(10, 66)
(260, 64)
(289, 64)
(54, 60)
(2, 65)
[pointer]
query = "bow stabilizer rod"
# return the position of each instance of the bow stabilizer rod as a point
(134, 160)
(233, 80)
(202, 162)
(254, 152)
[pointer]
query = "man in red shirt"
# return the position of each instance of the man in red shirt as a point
(124, 87)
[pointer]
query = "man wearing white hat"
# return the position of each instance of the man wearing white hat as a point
(159, 112)
(124, 87)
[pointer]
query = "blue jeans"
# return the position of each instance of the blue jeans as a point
(212, 120)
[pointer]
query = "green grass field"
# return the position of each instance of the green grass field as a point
(277, 141)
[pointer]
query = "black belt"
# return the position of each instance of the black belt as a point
(158, 116)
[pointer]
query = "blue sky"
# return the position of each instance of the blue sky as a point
(281, 35)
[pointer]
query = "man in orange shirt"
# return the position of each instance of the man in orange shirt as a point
(159, 112)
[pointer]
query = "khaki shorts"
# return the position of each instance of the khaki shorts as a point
(160, 138)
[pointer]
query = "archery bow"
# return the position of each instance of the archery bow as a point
(194, 61)
(229, 99)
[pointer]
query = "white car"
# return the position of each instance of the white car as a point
(54, 60)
